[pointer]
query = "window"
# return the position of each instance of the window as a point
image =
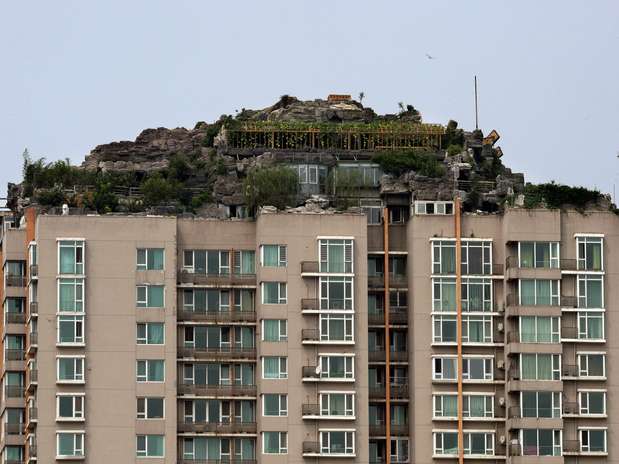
(535, 366)
(150, 259)
(70, 407)
(398, 300)
(476, 295)
(444, 368)
(592, 403)
(591, 325)
(592, 365)
(310, 173)
(71, 257)
(536, 292)
(336, 293)
(434, 207)
(150, 408)
(245, 262)
(150, 296)
(476, 329)
(475, 443)
(476, 257)
(274, 443)
(150, 446)
(243, 300)
(337, 404)
(274, 367)
(445, 329)
(274, 404)
(337, 367)
(69, 445)
(397, 214)
(70, 369)
(539, 329)
(540, 404)
(445, 406)
(373, 213)
(337, 442)
(474, 406)
(593, 440)
(150, 333)
(538, 254)
(359, 174)
(336, 327)
(71, 295)
(70, 330)
(150, 370)
(274, 330)
(273, 255)
(376, 266)
(590, 291)
(214, 262)
(444, 295)
(590, 256)
(399, 450)
(541, 442)
(336, 255)
(201, 300)
(444, 257)
(274, 293)
(477, 369)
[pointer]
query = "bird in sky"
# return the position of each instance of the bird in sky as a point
(428, 56)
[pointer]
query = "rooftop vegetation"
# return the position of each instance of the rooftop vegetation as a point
(555, 196)
(273, 185)
(399, 162)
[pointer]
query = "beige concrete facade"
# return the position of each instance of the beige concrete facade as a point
(239, 429)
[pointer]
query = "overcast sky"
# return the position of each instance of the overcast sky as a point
(76, 74)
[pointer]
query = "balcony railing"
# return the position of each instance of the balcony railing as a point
(397, 315)
(576, 265)
(395, 281)
(33, 413)
(310, 267)
(15, 281)
(14, 391)
(564, 301)
(220, 352)
(217, 427)
(495, 269)
(571, 407)
(569, 370)
(201, 278)
(308, 409)
(569, 332)
(310, 372)
(311, 447)
(379, 429)
(310, 335)
(571, 446)
(14, 355)
(216, 461)
(394, 356)
(34, 270)
(309, 304)
(32, 451)
(513, 412)
(397, 391)
(512, 262)
(217, 316)
(14, 429)
(217, 390)
(15, 318)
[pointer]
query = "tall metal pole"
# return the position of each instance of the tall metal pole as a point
(387, 339)
(476, 110)
(458, 234)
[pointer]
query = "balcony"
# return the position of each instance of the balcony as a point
(571, 408)
(397, 391)
(216, 461)
(13, 429)
(398, 315)
(34, 271)
(34, 308)
(573, 265)
(310, 372)
(379, 430)
(216, 390)
(219, 352)
(15, 318)
(571, 446)
(569, 371)
(564, 302)
(515, 271)
(217, 316)
(32, 419)
(217, 280)
(394, 356)
(14, 391)
(313, 449)
(395, 281)
(15, 281)
(33, 342)
(310, 335)
(14, 355)
(32, 378)
(32, 451)
(309, 410)
(310, 268)
(222, 428)
(309, 304)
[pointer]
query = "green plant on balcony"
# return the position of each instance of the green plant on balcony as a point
(273, 185)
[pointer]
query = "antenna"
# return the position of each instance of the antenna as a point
(476, 110)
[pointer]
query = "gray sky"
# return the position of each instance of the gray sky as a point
(77, 74)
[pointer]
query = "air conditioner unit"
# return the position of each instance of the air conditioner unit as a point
(502, 439)
(501, 401)
(500, 327)
(500, 364)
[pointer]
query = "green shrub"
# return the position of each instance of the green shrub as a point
(273, 186)
(556, 196)
(399, 162)
(344, 185)
(157, 190)
(50, 197)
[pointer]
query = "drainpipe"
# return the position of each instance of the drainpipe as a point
(458, 234)
(387, 339)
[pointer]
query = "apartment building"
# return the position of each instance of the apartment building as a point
(413, 333)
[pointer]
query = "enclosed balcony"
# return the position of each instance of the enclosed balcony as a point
(220, 428)
(217, 352)
(218, 390)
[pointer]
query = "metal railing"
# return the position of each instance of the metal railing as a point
(14, 318)
(571, 407)
(397, 315)
(579, 265)
(312, 267)
(15, 281)
(312, 447)
(569, 370)
(224, 352)
(513, 299)
(310, 334)
(217, 316)
(34, 270)
(310, 409)
(309, 304)
(219, 427)
(203, 278)
(217, 390)
(571, 446)
(34, 308)
(14, 391)
(14, 355)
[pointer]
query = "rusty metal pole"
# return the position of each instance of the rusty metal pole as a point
(458, 234)
(387, 339)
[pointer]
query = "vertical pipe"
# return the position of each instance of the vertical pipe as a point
(458, 234)
(387, 340)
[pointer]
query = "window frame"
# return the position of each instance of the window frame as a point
(282, 408)
(582, 355)
(77, 244)
(348, 321)
(282, 255)
(282, 293)
(281, 449)
(281, 373)
(78, 451)
(586, 430)
(147, 251)
(77, 414)
(555, 366)
(145, 400)
(349, 447)
(349, 366)
(147, 366)
(139, 453)
(282, 334)
(556, 404)
(145, 304)
(79, 326)
(146, 332)
(324, 403)
(75, 358)
(584, 410)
